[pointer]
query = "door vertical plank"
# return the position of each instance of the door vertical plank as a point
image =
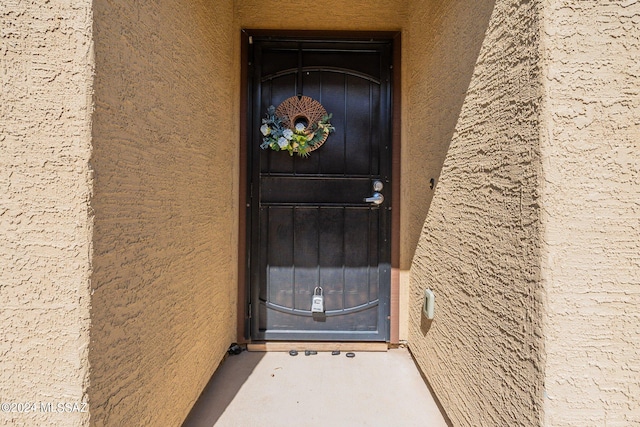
(280, 257)
(331, 256)
(358, 131)
(305, 255)
(374, 261)
(356, 256)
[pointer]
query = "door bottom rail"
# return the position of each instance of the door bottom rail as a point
(284, 346)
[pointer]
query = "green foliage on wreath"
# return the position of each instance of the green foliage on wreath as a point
(278, 137)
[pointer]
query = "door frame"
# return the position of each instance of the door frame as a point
(244, 295)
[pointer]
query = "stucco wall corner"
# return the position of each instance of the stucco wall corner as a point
(590, 149)
(46, 60)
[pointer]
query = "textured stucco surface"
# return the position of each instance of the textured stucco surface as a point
(164, 282)
(591, 205)
(530, 238)
(479, 246)
(45, 227)
(356, 15)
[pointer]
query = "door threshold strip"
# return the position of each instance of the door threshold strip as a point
(317, 346)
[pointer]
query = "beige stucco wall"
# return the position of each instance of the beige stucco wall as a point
(126, 234)
(164, 161)
(531, 238)
(355, 15)
(591, 205)
(474, 107)
(166, 95)
(45, 228)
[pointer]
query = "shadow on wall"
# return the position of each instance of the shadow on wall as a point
(444, 44)
(479, 249)
(425, 324)
(162, 266)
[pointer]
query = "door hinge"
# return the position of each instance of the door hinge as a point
(250, 39)
(249, 310)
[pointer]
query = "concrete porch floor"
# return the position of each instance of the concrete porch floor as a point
(275, 389)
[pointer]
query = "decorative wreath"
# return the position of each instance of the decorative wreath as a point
(299, 125)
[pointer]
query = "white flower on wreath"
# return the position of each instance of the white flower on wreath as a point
(265, 129)
(282, 142)
(287, 133)
(300, 127)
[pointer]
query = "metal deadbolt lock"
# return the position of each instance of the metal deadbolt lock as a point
(376, 198)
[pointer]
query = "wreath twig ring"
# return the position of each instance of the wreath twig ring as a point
(299, 125)
(303, 110)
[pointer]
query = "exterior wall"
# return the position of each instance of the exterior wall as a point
(441, 46)
(356, 15)
(164, 282)
(530, 239)
(45, 228)
(474, 90)
(590, 197)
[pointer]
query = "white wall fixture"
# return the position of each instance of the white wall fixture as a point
(429, 307)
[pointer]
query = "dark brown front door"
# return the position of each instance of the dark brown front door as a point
(309, 222)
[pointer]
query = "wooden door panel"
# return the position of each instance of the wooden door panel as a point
(313, 227)
(277, 223)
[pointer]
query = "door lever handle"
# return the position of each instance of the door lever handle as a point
(376, 199)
